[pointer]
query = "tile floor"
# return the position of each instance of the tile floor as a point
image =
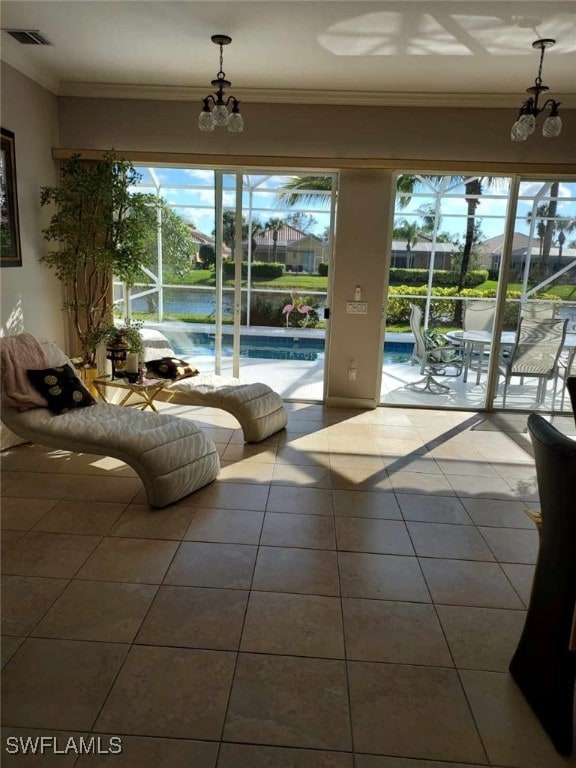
(346, 595)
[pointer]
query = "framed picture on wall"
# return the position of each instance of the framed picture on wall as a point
(10, 252)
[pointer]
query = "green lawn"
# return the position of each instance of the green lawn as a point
(205, 277)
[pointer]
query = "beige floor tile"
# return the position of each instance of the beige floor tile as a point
(300, 625)
(360, 479)
(143, 522)
(301, 571)
(59, 683)
(368, 534)
(225, 526)
(289, 530)
(412, 462)
(356, 461)
(173, 692)
(249, 756)
(193, 617)
(498, 513)
(411, 712)
(95, 488)
(58, 555)
(7, 477)
(22, 514)
(233, 496)
(90, 517)
(301, 476)
(521, 577)
(9, 644)
(481, 638)
(296, 454)
(305, 501)
(383, 577)
(23, 458)
(260, 454)
(420, 482)
(515, 471)
(467, 468)
(136, 560)
(481, 487)
(462, 582)
(47, 487)
(391, 432)
(461, 542)
(245, 472)
(97, 610)
(401, 446)
(512, 545)
(366, 504)
(9, 538)
(25, 599)
(400, 633)
(289, 701)
(200, 564)
(146, 752)
(393, 416)
(367, 446)
(418, 507)
(373, 761)
(458, 449)
(511, 733)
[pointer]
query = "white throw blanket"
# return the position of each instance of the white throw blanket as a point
(18, 354)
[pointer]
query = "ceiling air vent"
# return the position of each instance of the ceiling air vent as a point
(28, 36)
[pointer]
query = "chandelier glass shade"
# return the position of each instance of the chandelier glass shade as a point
(217, 110)
(529, 111)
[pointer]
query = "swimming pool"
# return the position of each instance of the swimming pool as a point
(197, 344)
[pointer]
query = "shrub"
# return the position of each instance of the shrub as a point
(323, 269)
(442, 277)
(263, 269)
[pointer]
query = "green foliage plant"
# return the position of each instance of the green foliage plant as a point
(100, 228)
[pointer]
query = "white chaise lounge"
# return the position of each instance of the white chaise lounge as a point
(172, 456)
(260, 411)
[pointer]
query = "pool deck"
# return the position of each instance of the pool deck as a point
(304, 380)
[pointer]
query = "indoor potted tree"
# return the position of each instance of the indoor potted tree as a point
(100, 228)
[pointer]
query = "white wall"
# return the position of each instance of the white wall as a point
(31, 295)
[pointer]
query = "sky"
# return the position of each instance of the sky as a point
(191, 192)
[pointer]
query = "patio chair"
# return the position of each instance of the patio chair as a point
(432, 362)
(478, 316)
(538, 310)
(544, 664)
(535, 355)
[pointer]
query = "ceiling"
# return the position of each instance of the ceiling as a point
(344, 52)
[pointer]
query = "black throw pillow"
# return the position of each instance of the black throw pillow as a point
(171, 368)
(61, 387)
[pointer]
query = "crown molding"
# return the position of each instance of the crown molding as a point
(300, 96)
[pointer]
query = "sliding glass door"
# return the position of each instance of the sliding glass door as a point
(476, 255)
(239, 277)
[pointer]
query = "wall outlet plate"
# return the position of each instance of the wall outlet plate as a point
(356, 307)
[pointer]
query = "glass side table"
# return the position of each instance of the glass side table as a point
(145, 392)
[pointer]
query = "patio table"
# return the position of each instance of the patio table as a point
(478, 340)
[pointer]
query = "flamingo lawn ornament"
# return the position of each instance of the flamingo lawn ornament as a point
(286, 311)
(305, 310)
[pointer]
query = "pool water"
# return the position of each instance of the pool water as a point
(273, 347)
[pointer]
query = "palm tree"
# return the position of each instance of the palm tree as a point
(563, 226)
(408, 231)
(274, 225)
(315, 191)
(540, 225)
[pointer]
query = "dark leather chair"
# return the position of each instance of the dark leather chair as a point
(571, 386)
(544, 664)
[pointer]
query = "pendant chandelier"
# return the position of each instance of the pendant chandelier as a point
(215, 110)
(529, 111)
